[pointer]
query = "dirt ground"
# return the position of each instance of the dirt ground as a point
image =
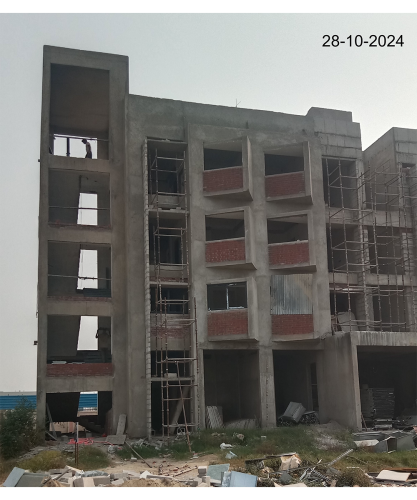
(161, 466)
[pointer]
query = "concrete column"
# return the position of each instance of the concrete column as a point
(267, 387)
(339, 381)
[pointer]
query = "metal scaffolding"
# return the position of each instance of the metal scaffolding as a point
(372, 217)
(173, 324)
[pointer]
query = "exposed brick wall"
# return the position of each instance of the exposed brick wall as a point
(84, 370)
(225, 250)
(173, 332)
(223, 179)
(292, 324)
(284, 184)
(232, 322)
(288, 253)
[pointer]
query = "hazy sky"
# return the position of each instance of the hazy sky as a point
(274, 62)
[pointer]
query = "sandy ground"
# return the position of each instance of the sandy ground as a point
(161, 466)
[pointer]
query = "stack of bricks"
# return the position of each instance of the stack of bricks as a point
(80, 370)
(292, 324)
(284, 184)
(289, 253)
(232, 322)
(226, 250)
(223, 179)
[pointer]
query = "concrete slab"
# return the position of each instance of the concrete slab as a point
(215, 471)
(101, 480)
(14, 477)
(235, 479)
(29, 480)
(116, 439)
(121, 425)
(389, 475)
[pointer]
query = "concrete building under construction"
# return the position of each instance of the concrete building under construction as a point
(243, 259)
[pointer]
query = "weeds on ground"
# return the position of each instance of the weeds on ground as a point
(17, 430)
(90, 458)
(43, 461)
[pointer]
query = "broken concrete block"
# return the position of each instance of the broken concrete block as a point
(133, 459)
(203, 485)
(205, 479)
(119, 475)
(101, 480)
(144, 474)
(88, 482)
(78, 482)
(196, 481)
(202, 470)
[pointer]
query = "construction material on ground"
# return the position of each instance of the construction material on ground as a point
(290, 462)
(121, 424)
(214, 418)
(294, 412)
(14, 477)
(116, 439)
(215, 471)
(389, 475)
(238, 479)
(247, 423)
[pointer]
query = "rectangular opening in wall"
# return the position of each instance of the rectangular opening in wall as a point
(222, 297)
(79, 199)
(78, 340)
(79, 109)
(287, 229)
(231, 382)
(225, 226)
(91, 410)
(169, 300)
(166, 173)
(340, 183)
(166, 241)
(75, 269)
(225, 156)
(87, 270)
(285, 160)
(388, 382)
(295, 379)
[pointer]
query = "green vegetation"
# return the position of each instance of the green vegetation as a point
(17, 430)
(90, 458)
(43, 461)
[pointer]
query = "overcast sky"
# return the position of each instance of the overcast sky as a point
(272, 62)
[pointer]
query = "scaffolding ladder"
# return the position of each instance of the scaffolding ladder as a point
(173, 319)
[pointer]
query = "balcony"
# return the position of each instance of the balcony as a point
(286, 173)
(227, 169)
(288, 242)
(226, 239)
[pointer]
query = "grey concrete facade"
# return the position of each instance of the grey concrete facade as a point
(243, 351)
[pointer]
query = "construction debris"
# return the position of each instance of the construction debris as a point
(297, 414)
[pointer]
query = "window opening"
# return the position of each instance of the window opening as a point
(222, 297)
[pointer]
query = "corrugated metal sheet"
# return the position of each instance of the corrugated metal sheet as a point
(9, 401)
(291, 294)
